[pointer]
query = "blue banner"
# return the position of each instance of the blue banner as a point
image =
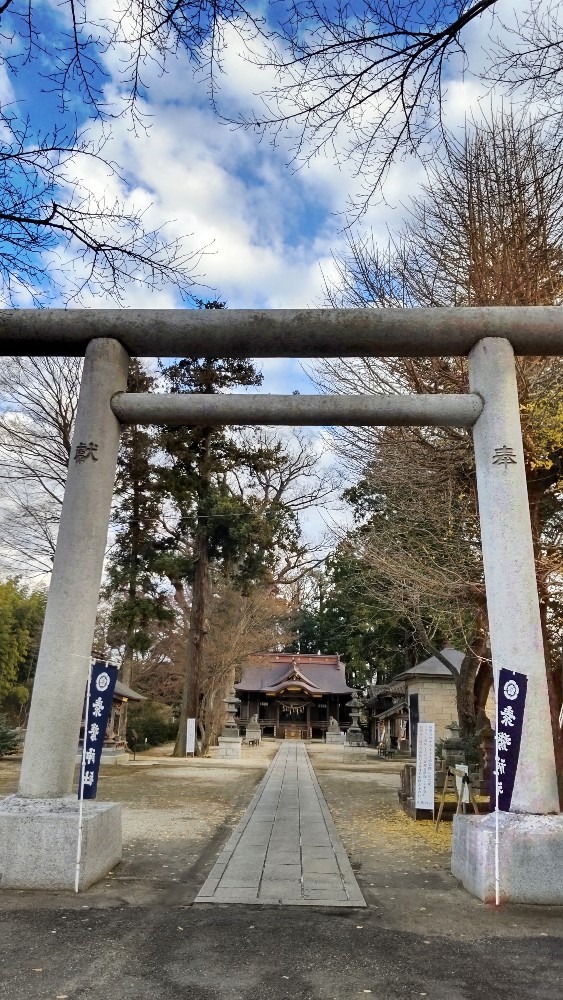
(102, 686)
(512, 688)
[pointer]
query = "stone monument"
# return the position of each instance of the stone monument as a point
(333, 734)
(230, 740)
(253, 731)
(453, 751)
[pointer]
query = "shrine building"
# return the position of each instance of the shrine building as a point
(294, 695)
(425, 693)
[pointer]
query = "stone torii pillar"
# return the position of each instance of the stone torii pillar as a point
(531, 834)
(39, 825)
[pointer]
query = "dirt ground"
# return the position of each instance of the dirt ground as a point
(178, 813)
(403, 867)
(137, 934)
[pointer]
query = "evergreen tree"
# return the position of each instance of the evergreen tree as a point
(196, 504)
(132, 584)
(9, 739)
(341, 613)
(21, 618)
(215, 525)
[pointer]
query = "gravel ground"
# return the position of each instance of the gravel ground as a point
(176, 815)
(137, 935)
(403, 867)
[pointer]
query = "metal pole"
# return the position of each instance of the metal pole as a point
(508, 558)
(58, 691)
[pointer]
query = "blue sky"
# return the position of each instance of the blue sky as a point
(269, 229)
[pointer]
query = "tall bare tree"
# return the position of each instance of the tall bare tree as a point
(366, 80)
(38, 399)
(486, 231)
(239, 625)
(61, 241)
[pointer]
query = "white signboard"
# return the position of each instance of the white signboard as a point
(190, 736)
(425, 765)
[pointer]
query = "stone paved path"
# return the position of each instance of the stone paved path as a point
(285, 849)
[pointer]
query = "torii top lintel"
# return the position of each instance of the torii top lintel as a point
(300, 333)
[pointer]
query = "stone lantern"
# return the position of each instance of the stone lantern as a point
(230, 741)
(354, 736)
(231, 703)
(355, 747)
(452, 748)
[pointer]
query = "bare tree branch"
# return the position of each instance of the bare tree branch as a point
(93, 244)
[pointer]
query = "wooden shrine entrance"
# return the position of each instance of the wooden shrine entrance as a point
(294, 719)
(294, 695)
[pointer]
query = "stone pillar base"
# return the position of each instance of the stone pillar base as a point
(254, 734)
(39, 837)
(530, 854)
(229, 747)
(334, 738)
(354, 754)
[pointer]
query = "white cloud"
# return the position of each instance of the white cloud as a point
(198, 177)
(269, 230)
(7, 95)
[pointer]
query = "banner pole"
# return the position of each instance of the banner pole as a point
(81, 791)
(497, 859)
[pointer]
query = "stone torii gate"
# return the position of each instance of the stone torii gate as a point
(38, 826)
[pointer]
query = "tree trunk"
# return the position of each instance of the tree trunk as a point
(128, 652)
(553, 671)
(465, 686)
(465, 679)
(207, 709)
(483, 685)
(126, 678)
(196, 640)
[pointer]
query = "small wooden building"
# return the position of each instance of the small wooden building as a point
(388, 714)
(294, 695)
(115, 749)
(425, 693)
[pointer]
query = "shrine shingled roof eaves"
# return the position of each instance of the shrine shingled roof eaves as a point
(273, 673)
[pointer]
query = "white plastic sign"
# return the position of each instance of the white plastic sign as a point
(190, 736)
(425, 765)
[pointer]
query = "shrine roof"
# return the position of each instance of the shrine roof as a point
(433, 667)
(400, 709)
(275, 672)
(390, 690)
(122, 691)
